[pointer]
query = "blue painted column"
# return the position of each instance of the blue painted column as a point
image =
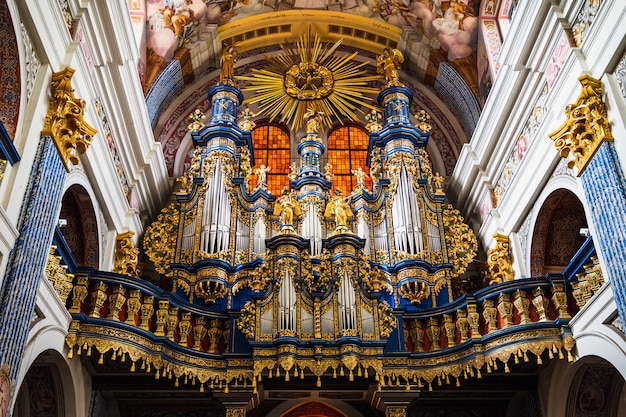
(605, 188)
(27, 260)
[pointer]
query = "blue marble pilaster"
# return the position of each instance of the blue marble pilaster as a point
(605, 189)
(27, 260)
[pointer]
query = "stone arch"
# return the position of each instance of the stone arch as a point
(79, 226)
(596, 390)
(313, 409)
(556, 233)
(46, 389)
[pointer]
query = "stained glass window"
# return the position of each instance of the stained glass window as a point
(271, 148)
(347, 151)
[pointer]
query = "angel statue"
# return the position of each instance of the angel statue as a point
(339, 207)
(388, 64)
(286, 207)
(245, 121)
(261, 173)
(313, 120)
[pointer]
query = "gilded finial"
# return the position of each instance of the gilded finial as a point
(196, 116)
(388, 64)
(586, 126)
(372, 119)
(423, 121)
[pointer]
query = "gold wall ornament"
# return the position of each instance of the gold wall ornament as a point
(373, 121)
(65, 121)
(247, 320)
(414, 291)
(386, 320)
(126, 256)
(57, 274)
(116, 302)
(159, 241)
(499, 264)
(310, 75)
(133, 304)
(210, 290)
(460, 240)
(196, 120)
(423, 123)
(79, 292)
(586, 126)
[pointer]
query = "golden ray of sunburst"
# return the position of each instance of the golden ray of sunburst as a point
(310, 75)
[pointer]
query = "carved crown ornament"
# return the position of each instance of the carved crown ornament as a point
(585, 127)
(65, 121)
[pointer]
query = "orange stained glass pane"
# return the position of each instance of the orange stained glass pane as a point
(358, 139)
(271, 148)
(343, 183)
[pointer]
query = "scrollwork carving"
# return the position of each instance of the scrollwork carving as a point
(65, 121)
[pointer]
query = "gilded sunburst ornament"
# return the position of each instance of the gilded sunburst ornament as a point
(310, 75)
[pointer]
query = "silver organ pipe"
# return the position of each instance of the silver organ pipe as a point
(347, 304)
(363, 231)
(407, 225)
(260, 234)
(312, 230)
(189, 233)
(380, 236)
(243, 236)
(287, 304)
(216, 215)
(434, 237)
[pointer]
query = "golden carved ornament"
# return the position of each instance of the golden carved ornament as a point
(415, 291)
(57, 274)
(423, 119)
(499, 266)
(159, 241)
(386, 320)
(586, 126)
(460, 240)
(126, 256)
(210, 290)
(65, 121)
(247, 320)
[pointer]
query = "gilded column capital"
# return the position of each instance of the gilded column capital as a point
(126, 255)
(65, 121)
(586, 126)
(499, 266)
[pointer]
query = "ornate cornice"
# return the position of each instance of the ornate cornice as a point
(586, 126)
(65, 121)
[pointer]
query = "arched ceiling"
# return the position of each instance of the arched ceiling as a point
(180, 70)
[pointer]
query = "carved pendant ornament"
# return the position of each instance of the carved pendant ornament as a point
(318, 282)
(65, 121)
(585, 128)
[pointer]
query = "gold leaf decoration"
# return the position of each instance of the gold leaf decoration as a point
(310, 75)
(159, 241)
(460, 240)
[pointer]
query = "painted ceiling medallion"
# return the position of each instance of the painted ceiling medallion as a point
(310, 75)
